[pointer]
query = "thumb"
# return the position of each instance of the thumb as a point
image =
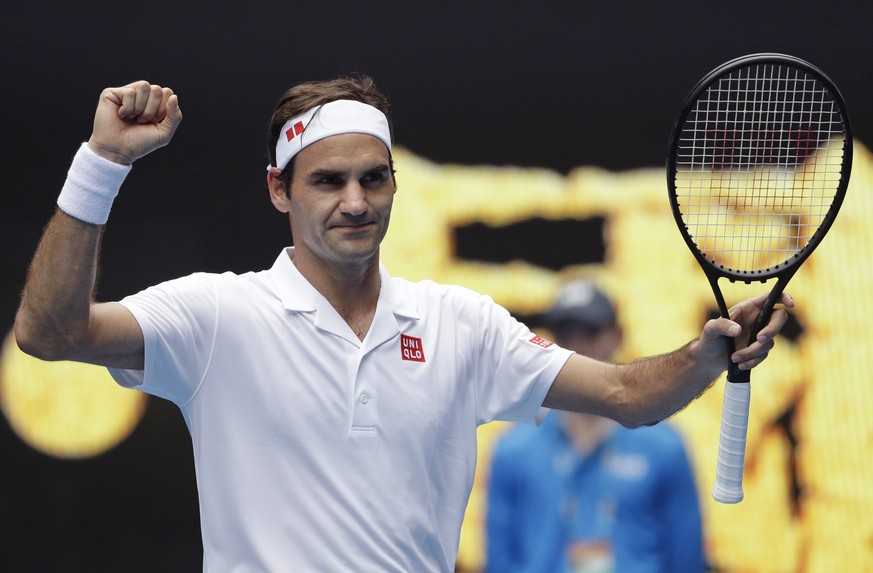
(173, 117)
(726, 327)
(714, 333)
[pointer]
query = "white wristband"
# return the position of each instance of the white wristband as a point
(91, 186)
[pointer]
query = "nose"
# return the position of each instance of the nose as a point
(353, 200)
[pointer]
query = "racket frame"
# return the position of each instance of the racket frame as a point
(782, 271)
(735, 415)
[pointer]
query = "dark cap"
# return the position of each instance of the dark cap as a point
(582, 303)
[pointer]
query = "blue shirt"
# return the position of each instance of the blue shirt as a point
(631, 506)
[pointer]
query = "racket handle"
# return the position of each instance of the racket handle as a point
(732, 443)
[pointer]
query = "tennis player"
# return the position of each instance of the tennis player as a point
(332, 408)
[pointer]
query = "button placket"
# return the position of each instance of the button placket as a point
(363, 412)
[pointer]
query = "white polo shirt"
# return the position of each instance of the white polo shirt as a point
(316, 451)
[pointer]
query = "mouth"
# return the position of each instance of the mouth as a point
(352, 227)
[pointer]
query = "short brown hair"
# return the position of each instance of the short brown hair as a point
(307, 95)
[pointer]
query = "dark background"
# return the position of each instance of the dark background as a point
(540, 84)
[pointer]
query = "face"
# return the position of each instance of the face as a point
(340, 200)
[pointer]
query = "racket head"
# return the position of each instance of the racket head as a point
(758, 165)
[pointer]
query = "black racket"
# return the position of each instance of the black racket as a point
(758, 166)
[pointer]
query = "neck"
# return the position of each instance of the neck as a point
(352, 289)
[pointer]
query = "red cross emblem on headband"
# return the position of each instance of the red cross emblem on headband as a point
(294, 130)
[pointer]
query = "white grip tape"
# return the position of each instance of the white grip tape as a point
(732, 443)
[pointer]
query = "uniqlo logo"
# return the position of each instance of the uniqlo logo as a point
(411, 348)
(294, 130)
(540, 341)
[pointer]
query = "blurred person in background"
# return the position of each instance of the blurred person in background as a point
(584, 494)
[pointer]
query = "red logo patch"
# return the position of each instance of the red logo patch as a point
(294, 130)
(540, 341)
(411, 348)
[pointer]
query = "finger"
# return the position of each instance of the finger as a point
(753, 351)
(142, 91)
(749, 364)
(130, 98)
(750, 304)
(115, 95)
(166, 93)
(752, 355)
(778, 319)
(746, 360)
(748, 307)
(755, 303)
(173, 114)
(151, 110)
(127, 101)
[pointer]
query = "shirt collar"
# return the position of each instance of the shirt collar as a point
(298, 295)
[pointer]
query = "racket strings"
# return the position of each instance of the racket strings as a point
(759, 164)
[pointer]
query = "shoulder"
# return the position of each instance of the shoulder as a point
(199, 279)
(200, 289)
(251, 279)
(182, 287)
(432, 289)
(429, 296)
(230, 280)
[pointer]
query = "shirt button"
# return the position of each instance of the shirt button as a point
(364, 398)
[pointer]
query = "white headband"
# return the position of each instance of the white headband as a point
(333, 118)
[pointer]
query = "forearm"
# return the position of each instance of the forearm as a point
(653, 389)
(54, 315)
(636, 394)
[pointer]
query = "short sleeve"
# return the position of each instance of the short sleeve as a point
(516, 368)
(178, 319)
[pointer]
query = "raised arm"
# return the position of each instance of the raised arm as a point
(58, 318)
(649, 390)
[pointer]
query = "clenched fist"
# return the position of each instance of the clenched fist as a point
(133, 120)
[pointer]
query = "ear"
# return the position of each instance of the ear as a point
(277, 190)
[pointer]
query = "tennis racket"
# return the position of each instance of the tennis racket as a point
(758, 166)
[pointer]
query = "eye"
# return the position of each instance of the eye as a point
(330, 180)
(375, 177)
